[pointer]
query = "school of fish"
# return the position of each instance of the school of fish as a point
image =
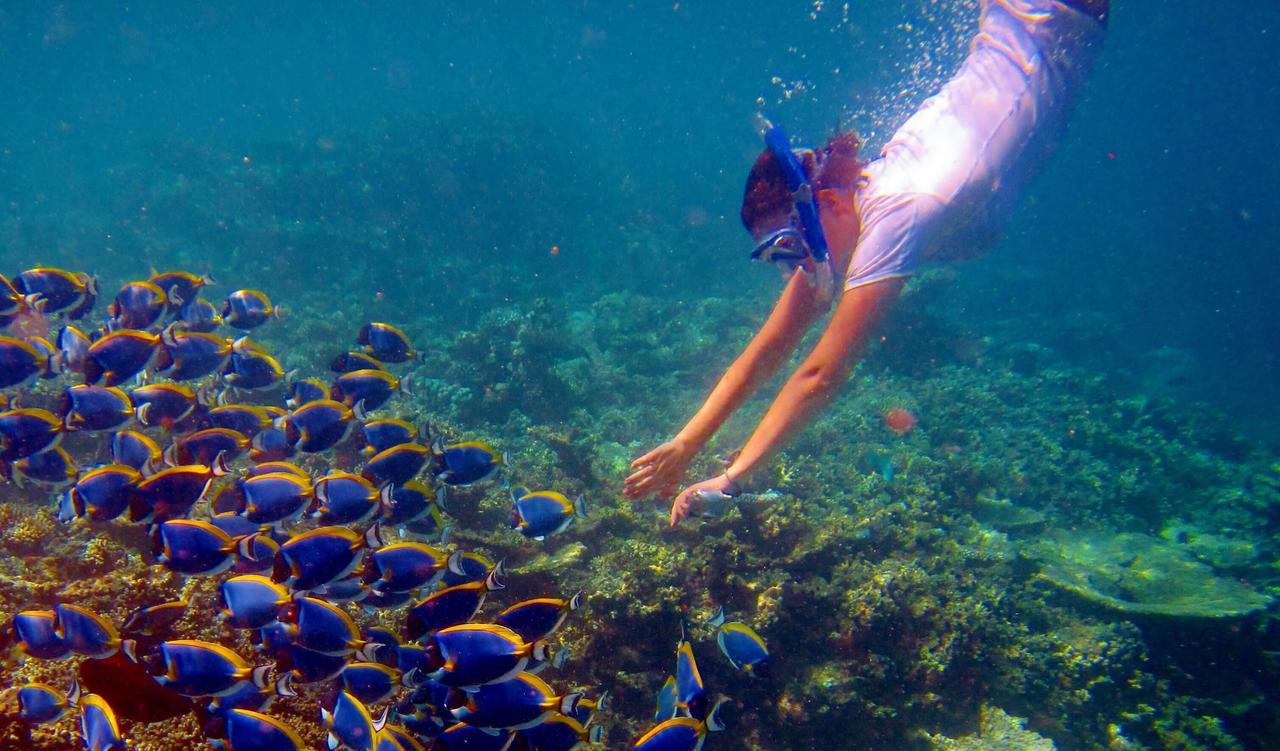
(229, 463)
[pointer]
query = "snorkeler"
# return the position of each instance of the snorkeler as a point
(940, 187)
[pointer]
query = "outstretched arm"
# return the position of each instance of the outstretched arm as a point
(810, 388)
(661, 470)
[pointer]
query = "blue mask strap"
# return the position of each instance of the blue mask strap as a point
(775, 139)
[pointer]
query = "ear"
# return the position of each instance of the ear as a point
(839, 202)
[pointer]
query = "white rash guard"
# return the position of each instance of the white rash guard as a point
(949, 177)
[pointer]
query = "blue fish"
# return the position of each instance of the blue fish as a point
(49, 467)
(412, 502)
(245, 419)
(73, 348)
(561, 733)
(474, 654)
(691, 695)
(405, 567)
(452, 606)
(138, 305)
(349, 361)
(465, 463)
(35, 633)
(538, 618)
(344, 498)
(154, 619)
(464, 737)
(119, 356)
(397, 738)
(104, 493)
(24, 432)
(371, 682)
(376, 599)
(58, 289)
(324, 627)
(86, 633)
(681, 733)
(307, 666)
(179, 286)
(96, 408)
(350, 589)
(197, 548)
(162, 404)
(187, 355)
(19, 362)
(466, 566)
(247, 309)
(39, 703)
(251, 367)
(249, 730)
(372, 388)
(385, 342)
(517, 703)
(380, 435)
(98, 725)
(740, 643)
(133, 449)
(198, 315)
(538, 514)
(207, 447)
(350, 724)
(270, 445)
(276, 497)
(398, 464)
(666, 702)
(304, 391)
(252, 601)
(248, 696)
(199, 668)
(314, 558)
(319, 425)
(170, 493)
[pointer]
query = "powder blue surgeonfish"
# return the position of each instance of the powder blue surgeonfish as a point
(247, 309)
(385, 342)
(691, 695)
(452, 606)
(119, 356)
(350, 724)
(344, 498)
(35, 633)
(96, 408)
(371, 682)
(275, 497)
(200, 668)
(561, 733)
(252, 601)
(193, 547)
(474, 654)
(20, 361)
(319, 556)
(405, 567)
(39, 703)
(465, 463)
(463, 737)
(518, 703)
(86, 633)
(98, 725)
(398, 464)
(249, 730)
(681, 733)
(545, 512)
(24, 432)
(740, 643)
(666, 702)
(538, 618)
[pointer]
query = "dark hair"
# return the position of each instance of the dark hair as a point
(767, 195)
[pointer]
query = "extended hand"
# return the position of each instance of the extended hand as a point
(660, 470)
(690, 499)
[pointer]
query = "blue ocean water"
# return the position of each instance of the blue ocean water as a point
(436, 163)
(1149, 231)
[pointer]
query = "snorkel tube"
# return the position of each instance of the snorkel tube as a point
(776, 141)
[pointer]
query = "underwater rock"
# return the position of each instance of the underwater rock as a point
(1005, 515)
(1219, 551)
(1138, 574)
(997, 731)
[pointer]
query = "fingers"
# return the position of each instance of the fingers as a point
(647, 458)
